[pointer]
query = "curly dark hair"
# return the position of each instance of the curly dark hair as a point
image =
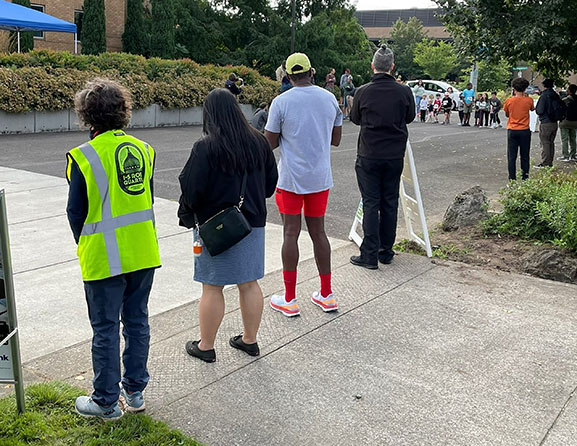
(103, 105)
(520, 84)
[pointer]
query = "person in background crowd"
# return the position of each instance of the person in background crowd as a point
(330, 81)
(495, 107)
(304, 122)
(382, 108)
(460, 107)
(280, 72)
(285, 84)
(454, 96)
(343, 80)
(260, 117)
(230, 153)
(517, 109)
(569, 125)
(485, 107)
(231, 86)
(447, 107)
(478, 110)
(550, 109)
(419, 92)
(423, 108)
(400, 79)
(437, 107)
(430, 108)
(111, 216)
(468, 104)
(348, 89)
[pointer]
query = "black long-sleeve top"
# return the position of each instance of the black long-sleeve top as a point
(207, 191)
(383, 108)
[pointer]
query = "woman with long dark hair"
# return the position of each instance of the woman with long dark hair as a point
(210, 182)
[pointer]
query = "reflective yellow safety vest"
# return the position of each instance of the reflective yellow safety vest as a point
(119, 234)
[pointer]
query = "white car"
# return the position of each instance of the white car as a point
(434, 87)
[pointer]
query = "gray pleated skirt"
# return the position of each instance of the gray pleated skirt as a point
(244, 262)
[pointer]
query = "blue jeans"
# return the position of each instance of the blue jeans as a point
(108, 300)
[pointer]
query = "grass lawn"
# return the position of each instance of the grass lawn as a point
(50, 419)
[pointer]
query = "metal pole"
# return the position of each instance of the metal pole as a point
(75, 44)
(18, 40)
(293, 27)
(10, 303)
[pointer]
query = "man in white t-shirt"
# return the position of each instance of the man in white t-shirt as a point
(304, 122)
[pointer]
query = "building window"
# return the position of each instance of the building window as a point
(78, 16)
(39, 8)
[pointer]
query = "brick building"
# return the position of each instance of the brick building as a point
(71, 11)
(378, 24)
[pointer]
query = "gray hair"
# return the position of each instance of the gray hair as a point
(383, 59)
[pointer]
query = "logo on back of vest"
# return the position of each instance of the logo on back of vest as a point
(130, 168)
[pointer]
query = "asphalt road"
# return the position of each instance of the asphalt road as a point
(449, 159)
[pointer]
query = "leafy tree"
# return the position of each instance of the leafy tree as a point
(541, 32)
(493, 75)
(26, 38)
(163, 29)
(405, 37)
(310, 8)
(134, 37)
(436, 59)
(93, 36)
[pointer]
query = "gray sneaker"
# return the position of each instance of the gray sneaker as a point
(132, 402)
(86, 407)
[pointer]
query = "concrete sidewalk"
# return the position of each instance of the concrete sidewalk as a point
(419, 353)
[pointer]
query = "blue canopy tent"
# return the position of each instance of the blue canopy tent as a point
(19, 18)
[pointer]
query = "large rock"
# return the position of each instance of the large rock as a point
(551, 264)
(468, 209)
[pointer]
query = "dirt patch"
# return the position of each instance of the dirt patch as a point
(470, 245)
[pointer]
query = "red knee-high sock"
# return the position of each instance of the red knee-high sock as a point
(325, 284)
(290, 284)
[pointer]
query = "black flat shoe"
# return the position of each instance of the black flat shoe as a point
(249, 349)
(358, 261)
(193, 350)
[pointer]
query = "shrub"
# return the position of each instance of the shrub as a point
(542, 208)
(48, 80)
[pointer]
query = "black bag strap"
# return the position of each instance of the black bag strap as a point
(242, 189)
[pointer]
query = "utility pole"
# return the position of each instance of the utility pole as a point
(293, 27)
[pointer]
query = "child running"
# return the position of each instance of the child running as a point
(430, 109)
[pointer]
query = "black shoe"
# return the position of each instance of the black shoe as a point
(239, 344)
(386, 260)
(358, 261)
(193, 350)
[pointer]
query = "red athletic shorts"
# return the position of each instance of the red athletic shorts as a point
(289, 203)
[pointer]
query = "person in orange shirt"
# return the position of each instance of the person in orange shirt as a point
(517, 109)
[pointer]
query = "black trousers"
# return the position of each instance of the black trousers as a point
(379, 182)
(518, 141)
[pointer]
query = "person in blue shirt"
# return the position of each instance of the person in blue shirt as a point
(468, 103)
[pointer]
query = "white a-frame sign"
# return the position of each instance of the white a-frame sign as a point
(413, 210)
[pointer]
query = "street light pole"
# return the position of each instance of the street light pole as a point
(293, 27)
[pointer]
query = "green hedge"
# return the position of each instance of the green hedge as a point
(48, 80)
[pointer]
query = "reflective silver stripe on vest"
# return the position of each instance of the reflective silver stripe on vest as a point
(118, 222)
(108, 223)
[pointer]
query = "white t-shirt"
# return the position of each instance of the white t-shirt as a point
(304, 117)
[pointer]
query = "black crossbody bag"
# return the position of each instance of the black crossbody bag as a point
(225, 229)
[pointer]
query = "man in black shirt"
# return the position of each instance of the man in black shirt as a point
(382, 108)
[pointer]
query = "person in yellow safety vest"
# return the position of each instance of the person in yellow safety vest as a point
(110, 213)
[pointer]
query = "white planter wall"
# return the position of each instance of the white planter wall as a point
(67, 121)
